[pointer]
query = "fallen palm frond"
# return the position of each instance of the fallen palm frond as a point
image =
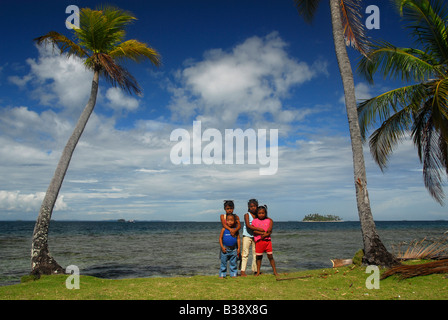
(409, 271)
(341, 262)
(422, 249)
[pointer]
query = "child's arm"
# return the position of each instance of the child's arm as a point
(234, 231)
(238, 243)
(220, 241)
(268, 232)
(256, 230)
(248, 224)
(238, 225)
(223, 222)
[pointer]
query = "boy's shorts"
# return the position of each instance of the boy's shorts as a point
(263, 246)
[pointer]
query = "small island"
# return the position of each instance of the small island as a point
(316, 217)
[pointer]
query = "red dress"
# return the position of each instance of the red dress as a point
(265, 244)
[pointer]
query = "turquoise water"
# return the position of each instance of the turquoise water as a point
(117, 250)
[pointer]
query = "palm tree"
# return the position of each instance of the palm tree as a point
(99, 41)
(419, 108)
(348, 29)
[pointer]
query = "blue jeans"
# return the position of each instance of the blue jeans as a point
(231, 256)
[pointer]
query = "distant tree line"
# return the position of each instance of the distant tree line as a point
(319, 217)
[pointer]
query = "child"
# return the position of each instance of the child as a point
(230, 248)
(229, 206)
(248, 237)
(263, 238)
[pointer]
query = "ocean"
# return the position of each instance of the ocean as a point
(117, 250)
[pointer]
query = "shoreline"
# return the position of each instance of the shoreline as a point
(326, 221)
(195, 221)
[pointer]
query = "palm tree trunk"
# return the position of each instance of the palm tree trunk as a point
(41, 261)
(375, 253)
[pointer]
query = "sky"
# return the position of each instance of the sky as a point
(226, 65)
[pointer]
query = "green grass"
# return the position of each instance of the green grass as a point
(346, 283)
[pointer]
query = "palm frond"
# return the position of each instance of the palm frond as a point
(440, 105)
(64, 44)
(427, 20)
(379, 109)
(117, 75)
(136, 51)
(427, 140)
(443, 152)
(307, 8)
(392, 131)
(432, 165)
(101, 30)
(408, 64)
(422, 249)
(354, 29)
(422, 108)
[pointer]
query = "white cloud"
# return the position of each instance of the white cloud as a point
(128, 173)
(20, 81)
(65, 82)
(58, 79)
(363, 91)
(120, 101)
(249, 80)
(15, 201)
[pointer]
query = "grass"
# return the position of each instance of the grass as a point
(345, 283)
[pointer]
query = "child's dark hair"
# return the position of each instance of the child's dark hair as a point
(264, 207)
(230, 215)
(254, 201)
(229, 203)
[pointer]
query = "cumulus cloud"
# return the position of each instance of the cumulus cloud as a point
(249, 80)
(16, 201)
(118, 100)
(55, 80)
(362, 91)
(128, 173)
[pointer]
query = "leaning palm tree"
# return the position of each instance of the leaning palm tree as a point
(99, 41)
(348, 29)
(420, 108)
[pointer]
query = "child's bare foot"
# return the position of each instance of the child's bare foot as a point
(243, 274)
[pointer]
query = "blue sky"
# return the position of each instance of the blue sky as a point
(229, 64)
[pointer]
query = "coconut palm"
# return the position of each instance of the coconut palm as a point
(348, 29)
(420, 107)
(99, 41)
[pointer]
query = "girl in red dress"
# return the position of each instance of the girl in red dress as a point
(263, 238)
